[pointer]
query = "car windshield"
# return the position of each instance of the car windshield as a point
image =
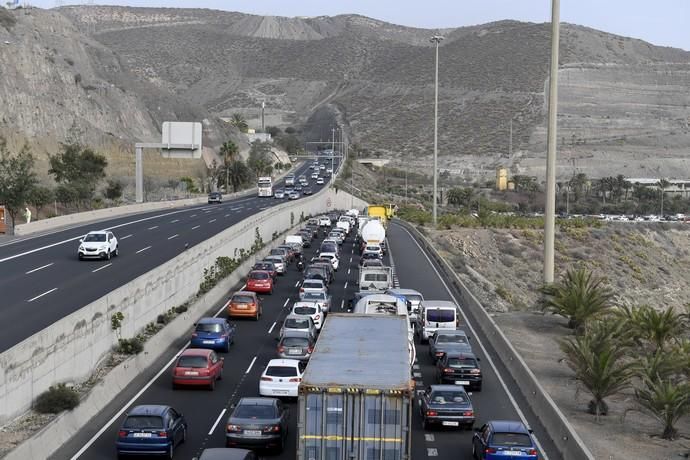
(278, 251)
(295, 342)
(254, 411)
(373, 248)
(276, 260)
(511, 440)
(242, 299)
(143, 422)
(314, 273)
(462, 362)
(440, 316)
(314, 296)
(209, 327)
(281, 371)
(370, 255)
(330, 247)
(296, 323)
(259, 275)
(451, 338)
(192, 361)
(448, 397)
(95, 237)
(304, 310)
(312, 285)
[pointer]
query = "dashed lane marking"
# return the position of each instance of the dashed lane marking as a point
(250, 366)
(101, 268)
(211, 221)
(173, 237)
(153, 228)
(417, 375)
(428, 437)
(345, 284)
(271, 329)
(125, 237)
(144, 249)
(342, 304)
(431, 452)
(194, 228)
(286, 302)
(39, 268)
(217, 422)
(174, 221)
(41, 295)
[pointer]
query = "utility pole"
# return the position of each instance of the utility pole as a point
(550, 205)
(405, 185)
(263, 120)
(332, 153)
(510, 143)
(436, 39)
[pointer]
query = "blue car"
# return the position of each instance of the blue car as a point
(213, 333)
(502, 440)
(151, 430)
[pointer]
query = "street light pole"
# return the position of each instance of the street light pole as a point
(332, 154)
(436, 39)
(550, 205)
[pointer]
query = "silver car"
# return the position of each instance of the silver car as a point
(313, 285)
(296, 345)
(279, 262)
(322, 299)
(279, 194)
(298, 323)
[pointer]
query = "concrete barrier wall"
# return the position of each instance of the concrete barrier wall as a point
(71, 348)
(564, 436)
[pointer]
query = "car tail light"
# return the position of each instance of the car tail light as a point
(121, 434)
(532, 452)
(162, 434)
(281, 349)
(448, 370)
(195, 335)
(431, 413)
(310, 349)
(272, 429)
(266, 379)
(489, 450)
(233, 428)
(301, 289)
(295, 379)
(204, 371)
(468, 413)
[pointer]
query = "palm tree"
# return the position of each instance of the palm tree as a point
(579, 297)
(663, 184)
(229, 151)
(667, 401)
(655, 327)
(239, 174)
(239, 122)
(660, 365)
(599, 366)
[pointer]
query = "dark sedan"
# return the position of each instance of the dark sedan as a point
(258, 423)
(448, 341)
(446, 405)
(459, 369)
(307, 191)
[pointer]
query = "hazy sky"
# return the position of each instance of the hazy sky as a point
(661, 22)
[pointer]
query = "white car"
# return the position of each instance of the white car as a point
(373, 248)
(322, 167)
(333, 258)
(99, 244)
(319, 181)
(324, 221)
(315, 175)
(312, 309)
(313, 285)
(321, 298)
(329, 170)
(281, 378)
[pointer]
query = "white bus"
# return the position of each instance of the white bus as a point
(265, 186)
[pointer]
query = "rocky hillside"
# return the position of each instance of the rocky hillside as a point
(624, 102)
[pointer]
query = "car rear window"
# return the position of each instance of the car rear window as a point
(511, 440)
(143, 422)
(209, 327)
(304, 310)
(296, 323)
(440, 316)
(192, 361)
(373, 248)
(312, 285)
(259, 276)
(313, 296)
(254, 411)
(330, 247)
(281, 371)
(462, 362)
(451, 338)
(448, 397)
(278, 251)
(295, 342)
(242, 299)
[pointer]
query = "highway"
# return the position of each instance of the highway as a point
(255, 345)
(42, 280)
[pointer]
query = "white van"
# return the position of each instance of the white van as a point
(345, 225)
(435, 315)
(294, 239)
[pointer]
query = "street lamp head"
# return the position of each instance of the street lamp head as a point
(436, 39)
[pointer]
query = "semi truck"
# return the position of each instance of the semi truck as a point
(356, 397)
(373, 233)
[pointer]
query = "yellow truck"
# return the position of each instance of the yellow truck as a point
(383, 212)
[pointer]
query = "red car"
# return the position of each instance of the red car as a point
(260, 281)
(197, 366)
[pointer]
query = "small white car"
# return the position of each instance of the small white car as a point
(99, 244)
(322, 167)
(329, 170)
(324, 221)
(281, 378)
(373, 248)
(319, 181)
(309, 309)
(315, 175)
(333, 258)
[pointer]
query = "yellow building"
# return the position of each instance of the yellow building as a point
(501, 179)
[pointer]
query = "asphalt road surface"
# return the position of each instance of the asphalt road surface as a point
(255, 344)
(41, 279)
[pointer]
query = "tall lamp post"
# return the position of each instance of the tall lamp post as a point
(550, 205)
(436, 39)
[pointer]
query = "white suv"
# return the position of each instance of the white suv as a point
(98, 244)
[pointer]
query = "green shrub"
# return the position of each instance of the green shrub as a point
(57, 399)
(132, 346)
(181, 308)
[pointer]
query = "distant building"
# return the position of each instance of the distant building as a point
(676, 186)
(501, 179)
(252, 135)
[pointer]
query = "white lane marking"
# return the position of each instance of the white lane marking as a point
(217, 422)
(101, 268)
(348, 271)
(350, 259)
(125, 237)
(342, 304)
(297, 284)
(345, 284)
(173, 221)
(227, 215)
(236, 209)
(117, 416)
(250, 366)
(271, 329)
(174, 236)
(286, 302)
(194, 228)
(144, 249)
(417, 375)
(39, 268)
(431, 452)
(474, 333)
(207, 212)
(211, 221)
(428, 437)
(193, 215)
(45, 293)
(153, 228)
(415, 367)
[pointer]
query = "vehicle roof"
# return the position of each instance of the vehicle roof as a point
(283, 362)
(404, 292)
(97, 232)
(251, 293)
(149, 409)
(258, 401)
(296, 316)
(439, 304)
(224, 453)
(508, 426)
(450, 332)
(259, 271)
(343, 353)
(196, 352)
(311, 280)
(212, 320)
(296, 333)
(272, 257)
(460, 354)
(305, 303)
(458, 388)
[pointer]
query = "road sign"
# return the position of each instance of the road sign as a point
(181, 133)
(328, 203)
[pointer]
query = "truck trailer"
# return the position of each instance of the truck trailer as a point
(357, 394)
